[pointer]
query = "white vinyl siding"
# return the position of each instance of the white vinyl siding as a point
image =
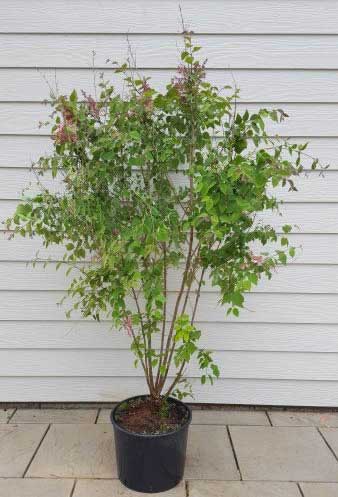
(283, 349)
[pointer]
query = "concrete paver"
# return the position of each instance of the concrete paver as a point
(113, 488)
(298, 418)
(229, 417)
(5, 415)
(319, 489)
(18, 444)
(200, 488)
(331, 436)
(209, 454)
(76, 451)
(54, 416)
(35, 487)
(283, 454)
(104, 416)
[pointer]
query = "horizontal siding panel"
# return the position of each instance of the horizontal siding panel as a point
(311, 249)
(26, 249)
(314, 248)
(231, 391)
(22, 151)
(259, 307)
(23, 183)
(312, 186)
(223, 51)
(24, 118)
(304, 217)
(32, 85)
(234, 364)
(288, 279)
(116, 16)
(19, 151)
(216, 336)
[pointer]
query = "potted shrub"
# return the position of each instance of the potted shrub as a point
(160, 193)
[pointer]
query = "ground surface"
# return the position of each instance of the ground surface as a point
(231, 453)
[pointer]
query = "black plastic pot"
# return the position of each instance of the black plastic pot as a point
(150, 463)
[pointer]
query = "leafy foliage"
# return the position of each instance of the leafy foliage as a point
(155, 185)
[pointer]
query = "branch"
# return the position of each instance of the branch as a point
(197, 295)
(164, 313)
(178, 301)
(141, 359)
(148, 366)
(176, 381)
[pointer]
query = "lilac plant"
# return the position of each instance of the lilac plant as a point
(162, 189)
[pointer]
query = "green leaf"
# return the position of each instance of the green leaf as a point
(282, 257)
(23, 210)
(235, 312)
(73, 96)
(163, 234)
(287, 228)
(237, 299)
(134, 135)
(215, 370)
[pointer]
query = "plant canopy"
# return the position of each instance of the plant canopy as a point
(161, 193)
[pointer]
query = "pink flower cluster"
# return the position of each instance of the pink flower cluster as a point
(256, 259)
(66, 131)
(127, 324)
(145, 86)
(180, 82)
(146, 99)
(92, 105)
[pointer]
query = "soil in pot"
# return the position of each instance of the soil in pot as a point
(145, 416)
